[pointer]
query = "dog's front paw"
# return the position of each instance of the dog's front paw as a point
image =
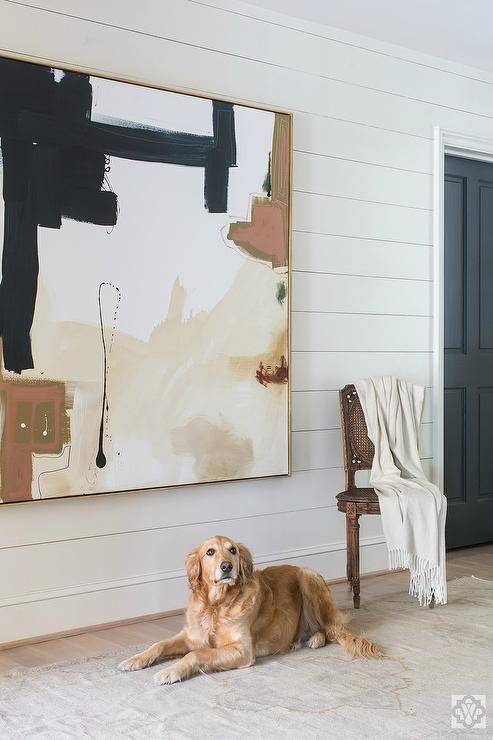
(168, 676)
(135, 663)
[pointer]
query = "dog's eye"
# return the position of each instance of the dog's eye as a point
(232, 550)
(210, 551)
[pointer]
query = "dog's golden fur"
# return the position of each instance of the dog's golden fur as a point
(236, 614)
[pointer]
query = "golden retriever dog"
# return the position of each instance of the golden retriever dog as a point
(237, 614)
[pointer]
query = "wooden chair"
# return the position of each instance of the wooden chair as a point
(358, 454)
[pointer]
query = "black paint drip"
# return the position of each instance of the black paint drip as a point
(101, 457)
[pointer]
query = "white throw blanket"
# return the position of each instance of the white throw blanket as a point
(413, 509)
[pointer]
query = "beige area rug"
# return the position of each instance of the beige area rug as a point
(307, 694)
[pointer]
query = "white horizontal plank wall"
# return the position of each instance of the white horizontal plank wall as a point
(362, 285)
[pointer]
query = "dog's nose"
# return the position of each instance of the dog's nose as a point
(226, 566)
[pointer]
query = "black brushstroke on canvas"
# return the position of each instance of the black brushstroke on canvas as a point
(54, 159)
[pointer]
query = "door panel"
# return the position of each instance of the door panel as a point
(468, 330)
(454, 239)
(485, 265)
(485, 437)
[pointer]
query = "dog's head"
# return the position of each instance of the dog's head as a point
(219, 561)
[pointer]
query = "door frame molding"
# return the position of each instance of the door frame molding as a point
(471, 147)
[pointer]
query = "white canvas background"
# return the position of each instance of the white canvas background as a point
(163, 230)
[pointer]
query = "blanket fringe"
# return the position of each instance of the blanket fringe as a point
(426, 578)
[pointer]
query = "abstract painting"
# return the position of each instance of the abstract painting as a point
(144, 295)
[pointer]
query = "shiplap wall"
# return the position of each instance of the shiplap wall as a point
(362, 287)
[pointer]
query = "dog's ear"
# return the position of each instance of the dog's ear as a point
(194, 570)
(246, 562)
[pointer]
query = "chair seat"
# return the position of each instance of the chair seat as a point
(365, 495)
(363, 500)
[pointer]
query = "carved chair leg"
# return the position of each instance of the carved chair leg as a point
(353, 546)
(432, 602)
(349, 564)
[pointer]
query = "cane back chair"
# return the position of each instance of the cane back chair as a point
(358, 454)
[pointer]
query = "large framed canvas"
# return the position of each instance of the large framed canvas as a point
(144, 296)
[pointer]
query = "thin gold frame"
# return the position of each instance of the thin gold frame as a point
(181, 91)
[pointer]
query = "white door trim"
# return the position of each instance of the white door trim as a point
(460, 145)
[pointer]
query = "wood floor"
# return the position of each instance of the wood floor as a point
(476, 561)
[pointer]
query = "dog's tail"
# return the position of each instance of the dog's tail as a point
(358, 647)
(320, 614)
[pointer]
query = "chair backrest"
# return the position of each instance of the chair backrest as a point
(358, 448)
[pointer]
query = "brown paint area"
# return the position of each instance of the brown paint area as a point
(245, 367)
(35, 421)
(265, 236)
(267, 374)
(220, 453)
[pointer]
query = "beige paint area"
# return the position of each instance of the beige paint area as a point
(184, 407)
